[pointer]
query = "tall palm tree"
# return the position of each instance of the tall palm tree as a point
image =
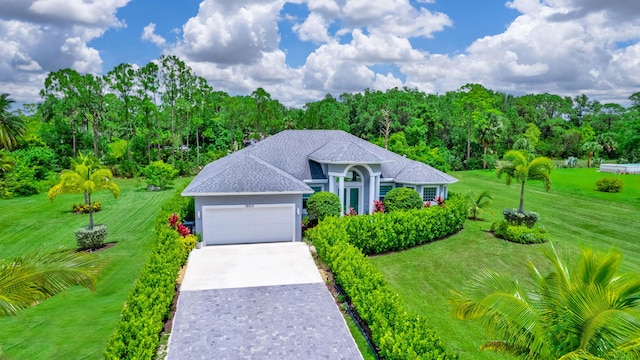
(11, 126)
(516, 166)
(578, 310)
(86, 176)
(28, 280)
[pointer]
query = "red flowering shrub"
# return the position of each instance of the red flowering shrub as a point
(174, 223)
(183, 230)
(378, 206)
(173, 220)
(351, 212)
(427, 204)
(439, 200)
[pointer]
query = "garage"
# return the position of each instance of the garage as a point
(245, 224)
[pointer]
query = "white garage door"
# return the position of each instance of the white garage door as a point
(244, 224)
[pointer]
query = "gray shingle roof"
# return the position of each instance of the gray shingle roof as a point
(280, 162)
(345, 152)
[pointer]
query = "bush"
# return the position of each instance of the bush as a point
(148, 304)
(84, 208)
(159, 174)
(402, 199)
(513, 217)
(397, 333)
(571, 162)
(399, 230)
(91, 239)
(609, 185)
(518, 233)
(323, 204)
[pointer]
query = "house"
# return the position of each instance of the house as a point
(259, 193)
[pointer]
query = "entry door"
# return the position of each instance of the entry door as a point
(351, 199)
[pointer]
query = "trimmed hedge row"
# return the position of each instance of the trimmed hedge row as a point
(399, 230)
(397, 334)
(148, 304)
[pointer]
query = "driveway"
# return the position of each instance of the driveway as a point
(259, 301)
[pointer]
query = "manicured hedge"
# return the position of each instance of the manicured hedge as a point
(519, 233)
(402, 199)
(148, 304)
(397, 334)
(398, 230)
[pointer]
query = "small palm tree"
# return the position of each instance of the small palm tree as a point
(516, 166)
(28, 280)
(478, 204)
(6, 162)
(579, 310)
(86, 176)
(11, 126)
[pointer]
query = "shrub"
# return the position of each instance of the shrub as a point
(519, 233)
(159, 174)
(609, 184)
(84, 208)
(91, 239)
(527, 218)
(322, 204)
(571, 162)
(148, 304)
(378, 206)
(399, 230)
(397, 333)
(402, 199)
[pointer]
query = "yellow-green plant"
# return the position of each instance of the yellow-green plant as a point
(86, 176)
(518, 168)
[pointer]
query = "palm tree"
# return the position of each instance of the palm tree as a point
(11, 126)
(489, 134)
(86, 176)
(477, 204)
(519, 168)
(28, 280)
(579, 310)
(591, 148)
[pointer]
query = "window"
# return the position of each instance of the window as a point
(384, 189)
(306, 197)
(429, 194)
(352, 176)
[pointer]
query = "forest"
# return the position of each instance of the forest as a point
(133, 116)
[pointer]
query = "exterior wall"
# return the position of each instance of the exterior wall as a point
(201, 201)
(441, 189)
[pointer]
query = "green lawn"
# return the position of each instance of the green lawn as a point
(76, 324)
(574, 214)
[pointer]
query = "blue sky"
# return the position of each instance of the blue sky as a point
(301, 50)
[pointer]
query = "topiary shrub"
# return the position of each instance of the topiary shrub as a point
(402, 199)
(91, 239)
(159, 175)
(609, 185)
(519, 233)
(322, 204)
(527, 218)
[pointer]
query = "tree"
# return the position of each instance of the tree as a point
(86, 176)
(578, 310)
(516, 166)
(11, 126)
(591, 148)
(6, 161)
(28, 280)
(478, 203)
(121, 80)
(489, 134)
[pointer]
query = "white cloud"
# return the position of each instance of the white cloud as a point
(39, 36)
(314, 28)
(148, 34)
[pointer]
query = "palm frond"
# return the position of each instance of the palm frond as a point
(28, 280)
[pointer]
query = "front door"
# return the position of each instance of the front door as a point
(351, 199)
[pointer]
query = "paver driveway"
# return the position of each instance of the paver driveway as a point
(262, 301)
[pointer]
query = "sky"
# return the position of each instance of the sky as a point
(301, 50)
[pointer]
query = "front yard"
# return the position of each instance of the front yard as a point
(571, 211)
(76, 324)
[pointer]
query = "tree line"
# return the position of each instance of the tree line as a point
(133, 116)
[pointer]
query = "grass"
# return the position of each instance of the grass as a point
(360, 340)
(574, 214)
(76, 324)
